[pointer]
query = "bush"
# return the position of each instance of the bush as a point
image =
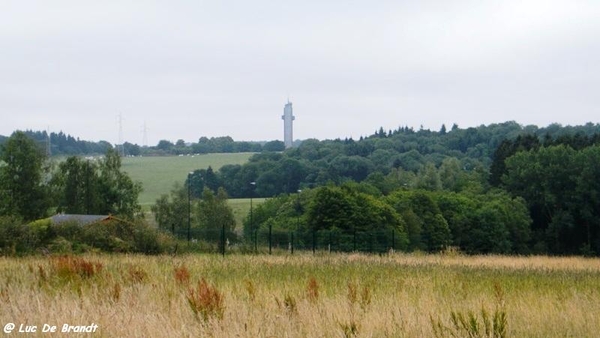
(110, 236)
(148, 240)
(17, 238)
(121, 236)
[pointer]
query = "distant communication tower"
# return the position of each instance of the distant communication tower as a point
(145, 132)
(288, 128)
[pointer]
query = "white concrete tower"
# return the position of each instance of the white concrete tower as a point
(288, 128)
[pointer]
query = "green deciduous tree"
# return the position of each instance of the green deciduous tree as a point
(431, 228)
(76, 185)
(488, 234)
(23, 190)
(428, 178)
(119, 192)
(95, 187)
(452, 176)
(214, 215)
(560, 185)
(330, 208)
(171, 210)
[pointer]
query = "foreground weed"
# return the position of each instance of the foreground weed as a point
(42, 276)
(312, 290)
(365, 295)
(250, 289)
(206, 301)
(365, 298)
(136, 274)
(471, 325)
(499, 294)
(290, 304)
(352, 293)
(182, 275)
(70, 268)
(115, 294)
(350, 329)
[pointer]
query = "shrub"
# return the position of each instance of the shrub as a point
(17, 238)
(111, 236)
(147, 240)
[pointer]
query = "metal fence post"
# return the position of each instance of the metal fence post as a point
(256, 240)
(270, 236)
(223, 239)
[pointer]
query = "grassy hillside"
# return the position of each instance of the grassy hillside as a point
(158, 174)
(394, 295)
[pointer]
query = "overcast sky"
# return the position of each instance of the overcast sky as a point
(212, 68)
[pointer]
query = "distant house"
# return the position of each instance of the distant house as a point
(79, 219)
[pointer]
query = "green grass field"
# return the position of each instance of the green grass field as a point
(158, 174)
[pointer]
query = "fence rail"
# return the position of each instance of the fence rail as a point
(265, 240)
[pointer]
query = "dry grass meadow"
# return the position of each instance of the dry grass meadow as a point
(351, 295)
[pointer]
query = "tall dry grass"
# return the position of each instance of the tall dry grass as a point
(355, 295)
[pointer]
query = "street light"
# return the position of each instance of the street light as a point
(189, 207)
(297, 218)
(253, 184)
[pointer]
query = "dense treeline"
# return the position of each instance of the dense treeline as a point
(501, 188)
(403, 155)
(223, 144)
(64, 144)
(491, 222)
(562, 190)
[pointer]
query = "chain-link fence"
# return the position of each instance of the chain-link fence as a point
(269, 240)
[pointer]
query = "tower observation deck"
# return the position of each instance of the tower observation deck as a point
(288, 128)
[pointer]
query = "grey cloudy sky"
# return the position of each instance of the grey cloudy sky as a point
(213, 68)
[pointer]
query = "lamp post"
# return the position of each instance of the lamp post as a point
(189, 237)
(88, 198)
(297, 218)
(252, 231)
